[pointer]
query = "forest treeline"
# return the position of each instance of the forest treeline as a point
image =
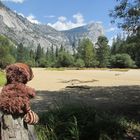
(124, 53)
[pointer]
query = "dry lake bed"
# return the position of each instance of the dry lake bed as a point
(54, 80)
(117, 90)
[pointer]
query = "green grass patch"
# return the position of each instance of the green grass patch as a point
(2, 78)
(81, 122)
(55, 69)
(75, 68)
(120, 70)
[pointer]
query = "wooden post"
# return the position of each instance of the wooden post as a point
(16, 129)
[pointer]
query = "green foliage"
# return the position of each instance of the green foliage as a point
(128, 14)
(81, 122)
(6, 50)
(42, 62)
(6, 60)
(130, 46)
(2, 78)
(20, 53)
(79, 63)
(38, 52)
(103, 51)
(65, 59)
(86, 51)
(122, 61)
(85, 55)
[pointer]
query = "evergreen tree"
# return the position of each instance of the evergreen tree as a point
(56, 52)
(52, 53)
(103, 51)
(21, 53)
(7, 52)
(86, 51)
(65, 59)
(38, 53)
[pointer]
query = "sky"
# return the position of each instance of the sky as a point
(67, 14)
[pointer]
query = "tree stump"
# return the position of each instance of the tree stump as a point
(16, 129)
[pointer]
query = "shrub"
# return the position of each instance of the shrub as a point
(121, 61)
(79, 63)
(65, 59)
(8, 59)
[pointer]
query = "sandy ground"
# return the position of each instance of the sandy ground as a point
(104, 89)
(58, 80)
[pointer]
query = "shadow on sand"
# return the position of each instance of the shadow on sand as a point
(121, 100)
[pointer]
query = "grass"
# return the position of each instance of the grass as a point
(55, 69)
(2, 78)
(121, 70)
(74, 68)
(81, 122)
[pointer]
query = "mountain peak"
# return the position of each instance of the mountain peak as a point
(20, 30)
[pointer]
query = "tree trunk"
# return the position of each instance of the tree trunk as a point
(16, 129)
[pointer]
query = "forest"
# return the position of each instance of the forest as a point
(124, 53)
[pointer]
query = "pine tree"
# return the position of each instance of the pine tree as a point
(86, 51)
(103, 51)
(38, 52)
(20, 53)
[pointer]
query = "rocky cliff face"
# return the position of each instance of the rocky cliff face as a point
(20, 30)
(91, 31)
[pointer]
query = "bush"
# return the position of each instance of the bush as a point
(65, 59)
(79, 63)
(42, 62)
(30, 62)
(8, 59)
(121, 61)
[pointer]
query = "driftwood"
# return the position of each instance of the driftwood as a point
(16, 129)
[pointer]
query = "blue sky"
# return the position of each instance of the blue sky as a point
(66, 14)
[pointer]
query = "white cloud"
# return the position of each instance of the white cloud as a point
(79, 18)
(62, 19)
(33, 19)
(21, 15)
(15, 1)
(63, 24)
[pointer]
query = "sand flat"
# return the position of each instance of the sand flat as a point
(58, 80)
